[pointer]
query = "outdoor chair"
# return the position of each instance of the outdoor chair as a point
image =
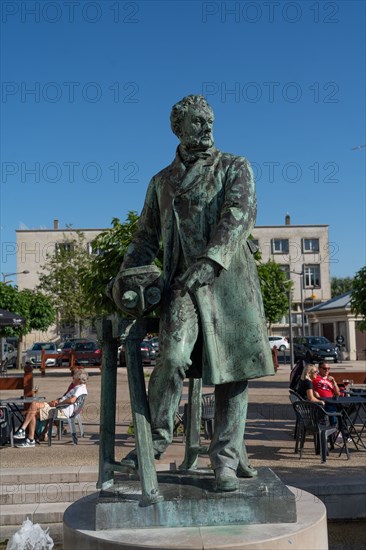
(294, 396)
(314, 421)
(180, 421)
(79, 403)
(208, 414)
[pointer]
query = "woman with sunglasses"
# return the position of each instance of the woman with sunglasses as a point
(305, 387)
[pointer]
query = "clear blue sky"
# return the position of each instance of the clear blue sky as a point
(286, 81)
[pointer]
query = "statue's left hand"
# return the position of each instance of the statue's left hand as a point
(200, 274)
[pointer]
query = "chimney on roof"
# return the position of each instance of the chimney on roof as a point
(55, 224)
(287, 219)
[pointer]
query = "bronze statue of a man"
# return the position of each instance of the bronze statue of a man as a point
(202, 209)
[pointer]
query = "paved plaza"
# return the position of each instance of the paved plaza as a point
(339, 483)
(268, 434)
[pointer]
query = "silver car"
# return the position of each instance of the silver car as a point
(35, 353)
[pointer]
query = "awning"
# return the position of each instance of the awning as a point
(9, 319)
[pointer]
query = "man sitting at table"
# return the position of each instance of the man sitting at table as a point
(44, 411)
(326, 387)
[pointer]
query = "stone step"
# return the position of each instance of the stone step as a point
(49, 516)
(59, 474)
(44, 493)
(43, 513)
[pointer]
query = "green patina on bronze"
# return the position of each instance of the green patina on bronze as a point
(202, 208)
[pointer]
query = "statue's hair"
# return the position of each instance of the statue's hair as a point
(180, 109)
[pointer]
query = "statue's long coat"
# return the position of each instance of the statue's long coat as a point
(208, 211)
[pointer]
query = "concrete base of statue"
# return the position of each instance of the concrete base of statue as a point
(193, 516)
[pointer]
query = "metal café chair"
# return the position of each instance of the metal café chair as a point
(79, 403)
(314, 421)
(294, 396)
(208, 414)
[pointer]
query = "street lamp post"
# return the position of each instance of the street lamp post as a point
(6, 275)
(290, 330)
(301, 275)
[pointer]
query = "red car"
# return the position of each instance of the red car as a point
(87, 353)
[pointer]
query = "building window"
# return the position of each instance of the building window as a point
(310, 245)
(286, 269)
(279, 246)
(92, 249)
(65, 247)
(312, 276)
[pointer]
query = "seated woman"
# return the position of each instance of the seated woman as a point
(44, 411)
(305, 387)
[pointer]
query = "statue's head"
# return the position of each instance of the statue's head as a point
(191, 120)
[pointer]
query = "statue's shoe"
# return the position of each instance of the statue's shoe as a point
(246, 471)
(226, 480)
(130, 461)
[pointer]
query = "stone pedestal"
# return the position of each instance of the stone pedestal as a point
(190, 500)
(309, 531)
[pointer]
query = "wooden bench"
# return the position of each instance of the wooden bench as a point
(21, 381)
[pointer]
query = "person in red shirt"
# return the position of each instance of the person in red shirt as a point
(325, 386)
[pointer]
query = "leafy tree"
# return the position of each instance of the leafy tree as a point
(34, 306)
(112, 244)
(60, 280)
(340, 285)
(274, 286)
(358, 298)
(110, 247)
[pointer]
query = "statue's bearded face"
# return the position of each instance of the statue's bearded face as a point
(196, 129)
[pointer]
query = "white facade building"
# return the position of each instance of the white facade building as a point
(32, 248)
(304, 253)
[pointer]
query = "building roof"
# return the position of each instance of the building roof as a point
(339, 302)
(289, 226)
(63, 230)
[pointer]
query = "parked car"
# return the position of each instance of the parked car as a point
(280, 342)
(35, 353)
(87, 352)
(314, 349)
(155, 344)
(66, 347)
(148, 353)
(10, 355)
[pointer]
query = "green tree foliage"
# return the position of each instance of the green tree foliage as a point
(34, 306)
(31, 304)
(274, 286)
(340, 285)
(358, 298)
(60, 280)
(109, 247)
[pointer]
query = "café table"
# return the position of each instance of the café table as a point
(15, 408)
(353, 411)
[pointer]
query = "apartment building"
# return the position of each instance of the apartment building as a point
(32, 248)
(304, 253)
